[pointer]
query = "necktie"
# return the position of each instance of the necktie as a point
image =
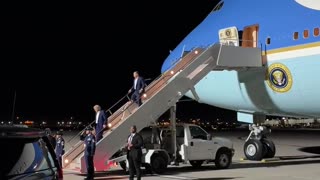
(130, 139)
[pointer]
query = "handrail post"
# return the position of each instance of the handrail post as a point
(109, 110)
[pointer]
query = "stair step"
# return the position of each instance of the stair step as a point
(74, 165)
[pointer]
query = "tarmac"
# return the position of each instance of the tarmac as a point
(297, 158)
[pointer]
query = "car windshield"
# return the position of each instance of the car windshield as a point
(24, 156)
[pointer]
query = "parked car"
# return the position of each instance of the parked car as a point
(26, 153)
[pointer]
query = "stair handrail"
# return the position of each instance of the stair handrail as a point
(152, 84)
(115, 104)
(108, 110)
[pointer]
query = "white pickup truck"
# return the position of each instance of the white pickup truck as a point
(193, 145)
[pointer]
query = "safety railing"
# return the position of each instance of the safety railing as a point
(129, 107)
(150, 90)
(109, 111)
(153, 88)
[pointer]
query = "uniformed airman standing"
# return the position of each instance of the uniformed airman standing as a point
(90, 147)
(59, 147)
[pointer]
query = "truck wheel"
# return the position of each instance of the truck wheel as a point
(158, 164)
(196, 163)
(254, 150)
(270, 148)
(223, 159)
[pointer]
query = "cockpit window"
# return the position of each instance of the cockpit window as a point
(218, 7)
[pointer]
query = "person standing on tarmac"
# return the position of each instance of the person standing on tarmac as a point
(59, 147)
(90, 148)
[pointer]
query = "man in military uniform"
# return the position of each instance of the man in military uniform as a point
(90, 147)
(59, 147)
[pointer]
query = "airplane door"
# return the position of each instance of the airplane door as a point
(229, 36)
(250, 36)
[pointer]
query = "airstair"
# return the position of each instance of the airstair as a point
(159, 96)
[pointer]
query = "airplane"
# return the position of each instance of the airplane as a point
(287, 32)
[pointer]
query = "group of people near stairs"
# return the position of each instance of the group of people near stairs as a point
(90, 136)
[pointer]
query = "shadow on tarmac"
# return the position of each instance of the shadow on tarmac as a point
(311, 149)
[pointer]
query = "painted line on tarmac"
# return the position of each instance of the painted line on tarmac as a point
(174, 177)
(113, 177)
(71, 171)
(263, 160)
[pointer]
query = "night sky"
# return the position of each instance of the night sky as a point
(61, 61)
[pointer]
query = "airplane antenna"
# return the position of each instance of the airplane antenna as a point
(14, 105)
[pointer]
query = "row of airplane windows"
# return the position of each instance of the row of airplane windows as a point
(306, 34)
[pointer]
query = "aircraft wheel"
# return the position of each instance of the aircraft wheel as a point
(270, 148)
(254, 150)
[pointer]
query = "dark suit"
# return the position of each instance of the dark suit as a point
(90, 148)
(140, 85)
(102, 120)
(134, 155)
(59, 149)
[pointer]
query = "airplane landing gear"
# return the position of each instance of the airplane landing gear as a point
(257, 145)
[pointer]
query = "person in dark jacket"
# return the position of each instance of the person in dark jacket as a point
(90, 148)
(101, 122)
(59, 147)
(134, 153)
(137, 88)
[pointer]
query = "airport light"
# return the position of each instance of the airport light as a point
(66, 161)
(196, 52)
(172, 72)
(109, 125)
(144, 95)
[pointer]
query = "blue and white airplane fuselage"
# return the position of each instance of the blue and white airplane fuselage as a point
(287, 31)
